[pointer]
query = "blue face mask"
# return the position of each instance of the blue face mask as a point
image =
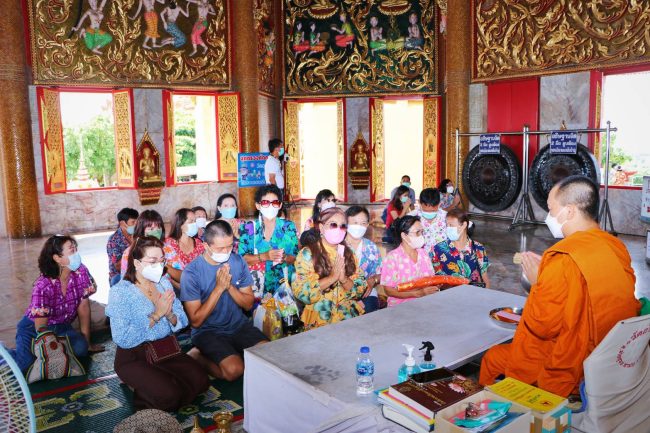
(130, 229)
(192, 230)
(404, 199)
(407, 184)
(453, 234)
(281, 152)
(228, 212)
(429, 215)
(75, 262)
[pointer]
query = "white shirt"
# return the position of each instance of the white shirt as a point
(273, 166)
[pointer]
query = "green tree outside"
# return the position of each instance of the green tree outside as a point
(98, 138)
(185, 135)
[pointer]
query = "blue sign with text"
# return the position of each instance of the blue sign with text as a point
(489, 144)
(564, 142)
(251, 169)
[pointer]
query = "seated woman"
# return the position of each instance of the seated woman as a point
(448, 200)
(366, 252)
(268, 244)
(459, 255)
(149, 223)
(59, 295)
(144, 316)
(329, 282)
(227, 210)
(201, 216)
(407, 262)
(181, 247)
(325, 199)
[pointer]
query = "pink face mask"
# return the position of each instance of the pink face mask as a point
(334, 236)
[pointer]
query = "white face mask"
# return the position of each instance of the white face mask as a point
(357, 231)
(554, 225)
(416, 243)
(201, 222)
(327, 205)
(269, 212)
(153, 272)
(220, 257)
(192, 229)
(450, 190)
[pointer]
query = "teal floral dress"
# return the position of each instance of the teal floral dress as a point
(470, 263)
(267, 276)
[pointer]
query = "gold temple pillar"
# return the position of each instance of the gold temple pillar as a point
(16, 151)
(244, 49)
(459, 63)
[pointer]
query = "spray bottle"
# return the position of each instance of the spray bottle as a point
(427, 364)
(409, 367)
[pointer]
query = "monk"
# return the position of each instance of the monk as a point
(581, 287)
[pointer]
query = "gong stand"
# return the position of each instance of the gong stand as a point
(604, 215)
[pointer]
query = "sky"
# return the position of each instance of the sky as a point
(79, 108)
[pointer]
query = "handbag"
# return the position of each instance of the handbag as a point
(162, 349)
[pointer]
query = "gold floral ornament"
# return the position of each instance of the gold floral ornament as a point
(515, 39)
(149, 43)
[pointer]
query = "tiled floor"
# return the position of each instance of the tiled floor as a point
(20, 258)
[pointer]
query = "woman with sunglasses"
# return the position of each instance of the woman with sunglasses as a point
(407, 262)
(325, 199)
(269, 244)
(328, 280)
(144, 314)
(60, 295)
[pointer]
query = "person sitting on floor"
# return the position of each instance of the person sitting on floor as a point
(120, 241)
(60, 295)
(181, 247)
(328, 280)
(407, 262)
(214, 289)
(581, 287)
(433, 219)
(201, 218)
(460, 255)
(228, 211)
(144, 315)
(366, 252)
(325, 199)
(448, 198)
(149, 223)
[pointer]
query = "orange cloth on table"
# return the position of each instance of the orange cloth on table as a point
(584, 287)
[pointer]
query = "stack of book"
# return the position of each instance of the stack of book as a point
(414, 405)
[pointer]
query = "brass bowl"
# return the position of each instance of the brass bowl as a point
(503, 322)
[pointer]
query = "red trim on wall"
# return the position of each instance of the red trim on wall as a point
(166, 99)
(372, 148)
(511, 106)
(345, 149)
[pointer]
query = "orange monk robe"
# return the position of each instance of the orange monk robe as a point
(584, 287)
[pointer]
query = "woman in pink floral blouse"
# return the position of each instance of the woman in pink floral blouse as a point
(181, 247)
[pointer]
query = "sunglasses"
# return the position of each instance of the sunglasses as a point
(334, 225)
(274, 203)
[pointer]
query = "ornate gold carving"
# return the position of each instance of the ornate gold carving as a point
(340, 145)
(52, 140)
(359, 171)
(431, 140)
(148, 162)
(292, 143)
(169, 140)
(332, 60)
(124, 138)
(229, 143)
(100, 43)
(264, 16)
(519, 38)
(377, 140)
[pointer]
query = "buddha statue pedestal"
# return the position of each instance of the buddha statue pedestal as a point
(359, 171)
(150, 183)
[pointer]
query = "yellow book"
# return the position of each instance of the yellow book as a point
(530, 396)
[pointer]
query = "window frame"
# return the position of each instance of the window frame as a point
(49, 190)
(170, 177)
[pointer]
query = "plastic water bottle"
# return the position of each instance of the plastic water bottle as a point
(365, 372)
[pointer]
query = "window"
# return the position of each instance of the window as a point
(86, 139)
(315, 147)
(202, 136)
(625, 103)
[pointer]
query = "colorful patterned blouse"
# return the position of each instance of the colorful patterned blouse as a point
(448, 260)
(176, 258)
(251, 241)
(48, 300)
(115, 247)
(399, 268)
(369, 259)
(446, 200)
(435, 230)
(333, 306)
(129, 310)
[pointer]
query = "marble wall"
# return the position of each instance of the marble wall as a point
(563, 98)
(357, 119)
(96, 210)
(268, 114)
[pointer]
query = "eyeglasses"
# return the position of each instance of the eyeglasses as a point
(417, 233)
(334, 225)
(154, 261)
(274, 203)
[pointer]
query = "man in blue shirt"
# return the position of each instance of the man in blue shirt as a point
(215, 287)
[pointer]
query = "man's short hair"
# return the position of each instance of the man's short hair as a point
(581, 192)
(430, 197)
(217, 229)
(127, 214)
(406, 176)
(274, 143)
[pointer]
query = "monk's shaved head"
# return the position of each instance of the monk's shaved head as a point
(581, 192)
